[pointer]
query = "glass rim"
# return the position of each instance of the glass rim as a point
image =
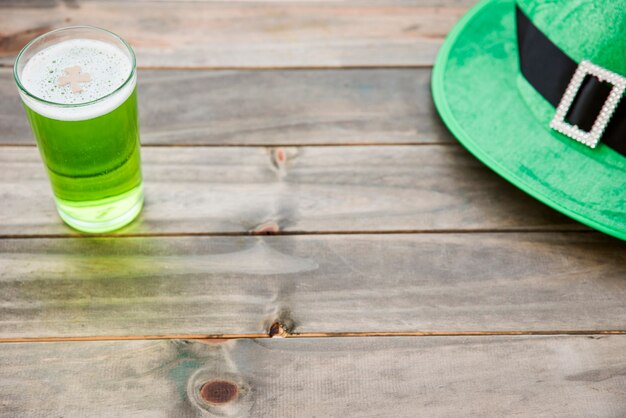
(24, 90)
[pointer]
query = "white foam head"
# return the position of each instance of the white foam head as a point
(108, 69)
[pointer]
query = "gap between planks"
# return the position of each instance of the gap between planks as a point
(276, 68)
(292, 233)
(268, 145)
(277, 331)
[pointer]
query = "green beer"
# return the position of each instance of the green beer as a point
(78, 86)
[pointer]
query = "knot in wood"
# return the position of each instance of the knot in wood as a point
(277, 330)
(219, 391)
(268, 228)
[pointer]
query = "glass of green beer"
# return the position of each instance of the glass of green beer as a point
(78, 86)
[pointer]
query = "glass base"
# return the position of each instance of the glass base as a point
(103, 215)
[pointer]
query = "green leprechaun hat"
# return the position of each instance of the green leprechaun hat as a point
(534, 89)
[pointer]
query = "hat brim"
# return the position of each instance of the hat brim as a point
(479, 93)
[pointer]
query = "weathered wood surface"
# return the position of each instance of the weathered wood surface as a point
(315, 283)
(269, 107)
(384, 377)
(372, 188)
(245, 34)
(474, 273)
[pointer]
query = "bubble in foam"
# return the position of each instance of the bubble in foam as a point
(107, 66)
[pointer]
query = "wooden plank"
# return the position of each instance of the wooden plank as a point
(362, 377)
(269, 107)
(249, 189)
(351, 283)
(249, 34)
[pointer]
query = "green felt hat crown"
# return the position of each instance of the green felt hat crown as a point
(498, 115)
(584, 29)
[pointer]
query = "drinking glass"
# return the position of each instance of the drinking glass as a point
(78, 87)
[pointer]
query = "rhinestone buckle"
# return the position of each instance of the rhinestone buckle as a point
(592, 137)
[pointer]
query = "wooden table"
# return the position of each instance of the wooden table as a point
(299, 184)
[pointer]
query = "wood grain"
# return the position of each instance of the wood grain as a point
(399, 377)
(467, 270)
(334, 283)
(249, 34)
(269, 107)
(328, 189)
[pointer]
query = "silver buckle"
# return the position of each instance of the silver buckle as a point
(591, 138)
